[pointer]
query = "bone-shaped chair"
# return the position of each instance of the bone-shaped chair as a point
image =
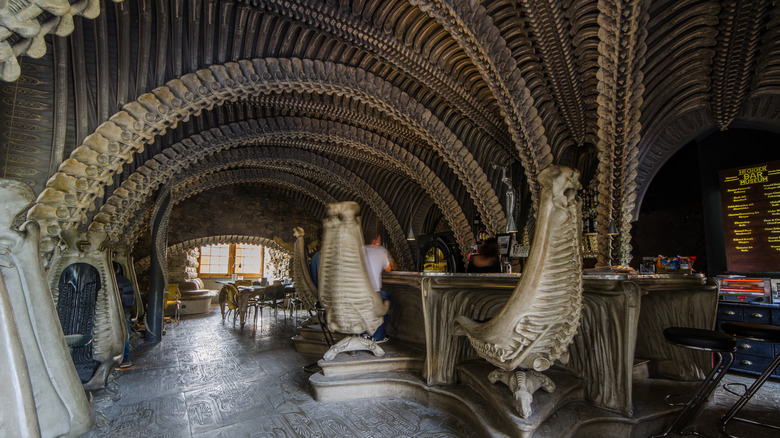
(538, 322)
(304, 286)
(89, 304)
(352, 305)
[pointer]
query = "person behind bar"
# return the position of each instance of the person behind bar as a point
(487, 260)
(378, 260)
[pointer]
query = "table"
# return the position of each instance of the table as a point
(245, 294)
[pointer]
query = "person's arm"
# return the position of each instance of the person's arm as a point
(390, 262)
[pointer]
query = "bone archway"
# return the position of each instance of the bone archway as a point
(71, 192)
(314, 167)
(303, 133)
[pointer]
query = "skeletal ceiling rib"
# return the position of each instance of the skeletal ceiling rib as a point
(402, 52)
(622, 55)
(301, 133)
(30, 22)
(103, 153)
(735, 57)
(469, 25)
(124, 220)
(417, 98)
(304, 165)
(312, 167)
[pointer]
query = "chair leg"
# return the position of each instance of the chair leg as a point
(700, 397)
(324, 327)
(731, 414)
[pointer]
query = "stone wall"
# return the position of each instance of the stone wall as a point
(243, 210)
(250, 210)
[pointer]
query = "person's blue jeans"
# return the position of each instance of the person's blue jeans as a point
(381, 331)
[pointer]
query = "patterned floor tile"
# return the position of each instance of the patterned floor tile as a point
(158, 417)
(209, 379)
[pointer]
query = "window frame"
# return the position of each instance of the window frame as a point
(231, 262)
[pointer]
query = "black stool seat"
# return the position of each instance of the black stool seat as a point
(752, 330)
(701, 339)
(756, 332)
(723, 346)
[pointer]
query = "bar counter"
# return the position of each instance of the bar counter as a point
(623, 318)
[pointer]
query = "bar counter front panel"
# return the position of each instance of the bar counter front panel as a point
(623, 318)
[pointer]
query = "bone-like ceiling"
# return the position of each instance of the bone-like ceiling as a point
(404, 106)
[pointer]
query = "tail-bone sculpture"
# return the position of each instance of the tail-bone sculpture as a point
(353, 306)
(538, 322)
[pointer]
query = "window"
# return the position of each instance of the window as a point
(249, 260)
(215, 259)
(228, 259)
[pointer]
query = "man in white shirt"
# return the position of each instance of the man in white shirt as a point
(378, 260)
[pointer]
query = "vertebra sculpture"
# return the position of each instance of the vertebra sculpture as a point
(42, 395)
(541, 317)
(352, 305)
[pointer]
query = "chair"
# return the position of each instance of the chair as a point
(88, 302)
(172, 297)
(755, 332)
(352, 305)
(274, 295)
(252, 302)
(306, 292)
(228, 297)
(540, 319)
(723, 345)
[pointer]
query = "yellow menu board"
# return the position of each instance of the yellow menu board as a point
(750, 202)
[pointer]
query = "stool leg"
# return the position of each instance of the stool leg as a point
(698, 399)
(746, 398)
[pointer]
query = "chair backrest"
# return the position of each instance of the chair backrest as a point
(538, 323)
(345, 290)
(231, 294)
(172, 292)
(304, 285)
(81, 264)
(121, 254)
(243, 282)
(188, 286)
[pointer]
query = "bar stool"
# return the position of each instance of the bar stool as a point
(755, 332)
(723, 345)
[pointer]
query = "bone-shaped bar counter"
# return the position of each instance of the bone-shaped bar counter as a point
(623, 318)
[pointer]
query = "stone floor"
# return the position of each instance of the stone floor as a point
(206, 379)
